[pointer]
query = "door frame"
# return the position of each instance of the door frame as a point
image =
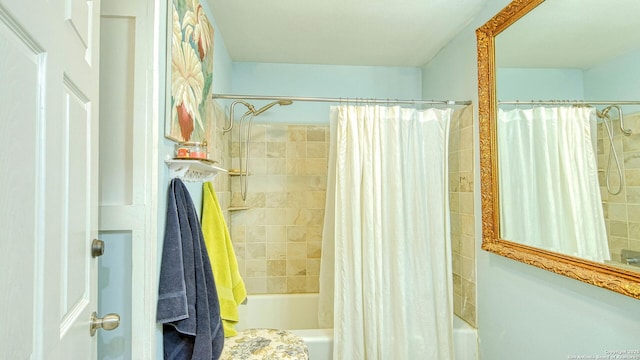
(141, 216)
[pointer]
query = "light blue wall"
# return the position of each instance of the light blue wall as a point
(539, 84)
(321, 81)
(222, 70)
(525, 312)
(618, 79)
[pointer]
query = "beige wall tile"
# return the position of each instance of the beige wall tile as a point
(277, 133)
(316, 133)
(314, 249)
(632, 177)
(466, 203)
(250, 216)
(468, 247)
(454, 202)
(256, 268)
(631, 143)
(255, 234)
(276, 150)
(275, 216)
(256, 285)
(313, 267)
(276, 285)
(275, 200)
(632, 160)
(296, 150)
(238, 233)
(634, 230)
(462, 215)
(634, 245)
(457, 284)
(618, 228)
(296, 267)
(258, 133)
(466, 182)
(468, 270)
(296, 250)
(267, 183)
(617, 212)
(297, 133)
(296, 233)
(466, 139)
(633, 194)
(276, 233)
(317, 150)
(306, 183)
(276, 166)
(466, 118)
(296, 284)
(315, 167)
(313, 284)
(276, 268)
(256, 251)
(277, 251)
(454, 182)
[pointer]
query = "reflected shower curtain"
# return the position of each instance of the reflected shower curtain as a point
(385, 282)
(548, 181)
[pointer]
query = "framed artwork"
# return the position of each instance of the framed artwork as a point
(190, 72)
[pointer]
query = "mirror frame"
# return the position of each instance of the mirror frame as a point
(609, 277)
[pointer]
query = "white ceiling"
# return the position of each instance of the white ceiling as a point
(340, 32)
(571, 34)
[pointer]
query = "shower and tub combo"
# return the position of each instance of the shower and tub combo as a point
(428, 239)
(298, 313)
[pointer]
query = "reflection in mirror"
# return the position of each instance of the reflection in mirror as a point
(559, 196)
(559, 104)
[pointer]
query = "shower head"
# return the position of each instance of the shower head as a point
(268, 106)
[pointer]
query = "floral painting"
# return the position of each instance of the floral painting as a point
(191, 73)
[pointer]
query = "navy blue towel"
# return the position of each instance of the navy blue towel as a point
(187, 299)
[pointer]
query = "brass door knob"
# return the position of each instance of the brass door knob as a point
(108, 322)
(97, 248)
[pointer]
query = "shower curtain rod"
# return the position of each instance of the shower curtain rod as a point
(567, 102)
(338, 100)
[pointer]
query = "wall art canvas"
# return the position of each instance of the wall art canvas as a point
(191, 70)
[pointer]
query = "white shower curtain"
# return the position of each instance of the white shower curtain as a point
(548, 181)
(386, 285)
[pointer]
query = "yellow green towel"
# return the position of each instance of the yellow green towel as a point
(229, 284)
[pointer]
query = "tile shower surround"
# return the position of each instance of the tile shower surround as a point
(621, 211)
(278, 239)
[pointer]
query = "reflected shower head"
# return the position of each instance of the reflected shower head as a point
(268, 106)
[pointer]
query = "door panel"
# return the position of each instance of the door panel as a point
(48, 202)
(74, 265)
(78, 13)
(128, 174)
(20, 77)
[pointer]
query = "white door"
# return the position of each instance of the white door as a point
(49, 68)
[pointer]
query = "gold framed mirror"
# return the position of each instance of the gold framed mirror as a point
(621, 279)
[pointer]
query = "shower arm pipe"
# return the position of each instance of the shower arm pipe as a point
(340, 100)
(250, 108)
(625, 131)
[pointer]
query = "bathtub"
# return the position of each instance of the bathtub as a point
(298, 313)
